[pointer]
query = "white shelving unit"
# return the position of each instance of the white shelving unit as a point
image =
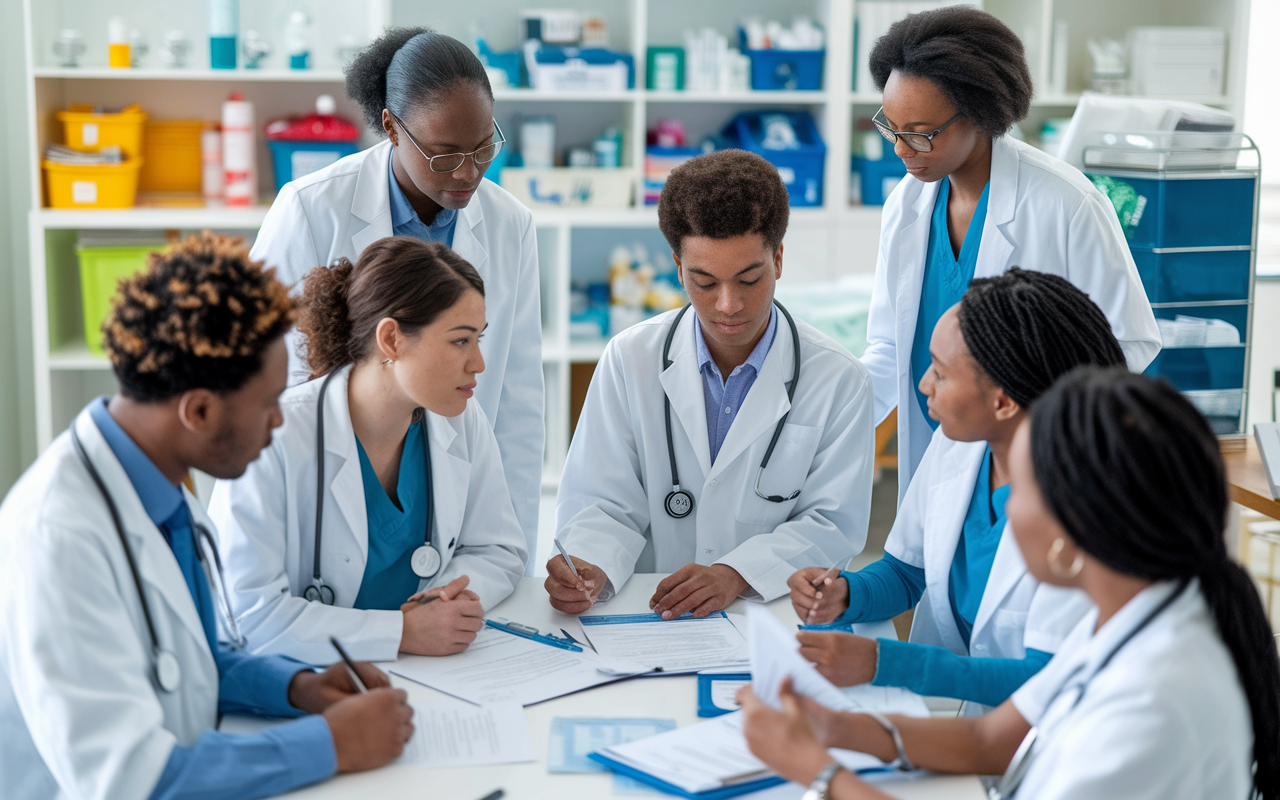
(822, 243)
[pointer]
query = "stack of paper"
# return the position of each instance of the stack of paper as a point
(452, 735)
(679, 645)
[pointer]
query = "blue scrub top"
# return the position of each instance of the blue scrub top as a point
(395, 531)
(976, 550)
(946, 278)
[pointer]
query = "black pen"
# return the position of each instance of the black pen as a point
(351, 667)
(496, 794)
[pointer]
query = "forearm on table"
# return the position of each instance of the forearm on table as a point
(963, 745)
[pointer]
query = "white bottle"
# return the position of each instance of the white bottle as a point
(297, 40)
(211, 177)
(239, 168)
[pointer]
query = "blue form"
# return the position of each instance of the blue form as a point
(946, 277)
(218, 764)
(724, 396)
(574, 738)
(395, 531)
(405, 221)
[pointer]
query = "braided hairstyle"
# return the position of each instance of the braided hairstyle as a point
(199, 317)
(1026, 328)
(401, 277)
(1133, 473)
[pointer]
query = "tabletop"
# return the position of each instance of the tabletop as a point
(672, 697)
(1246, 480)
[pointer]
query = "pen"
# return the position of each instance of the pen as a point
(496, 794)
(569, 561)
(351, 667)
(833, 571)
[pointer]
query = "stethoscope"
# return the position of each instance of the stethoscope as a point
(1028, 750)
(164, 664)
(679, 502)
(426, 559)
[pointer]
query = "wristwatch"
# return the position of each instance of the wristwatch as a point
(820, 788)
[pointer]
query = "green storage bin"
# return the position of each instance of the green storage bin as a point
(101, 268)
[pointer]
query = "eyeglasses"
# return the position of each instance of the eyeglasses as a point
(920, 142)
(452, 161)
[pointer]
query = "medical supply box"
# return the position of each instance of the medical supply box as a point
(574, 69)
(107, 257)
(790, 141)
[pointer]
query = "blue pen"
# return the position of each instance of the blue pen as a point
(530, 632)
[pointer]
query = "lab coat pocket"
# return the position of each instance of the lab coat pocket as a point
(783, 477)
(1008, 630)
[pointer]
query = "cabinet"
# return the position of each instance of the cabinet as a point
(822, 244)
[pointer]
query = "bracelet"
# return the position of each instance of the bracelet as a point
(904, 763)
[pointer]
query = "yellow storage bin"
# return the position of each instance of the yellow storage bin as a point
(89, 132)
(91, 185)
(171, 156)
(101, 269)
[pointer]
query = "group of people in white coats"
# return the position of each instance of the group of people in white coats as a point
(1060, 535)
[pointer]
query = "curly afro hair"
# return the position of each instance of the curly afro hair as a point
(721, 195)
(974, 59)
(408, 68)
(199, 317)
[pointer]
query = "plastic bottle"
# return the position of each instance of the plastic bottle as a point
(224, 27)
(297, 40)
(118, 54)
(211, 177)
(240, 173)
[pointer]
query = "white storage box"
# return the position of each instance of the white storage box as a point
(569, 187)
(576, 75)
(1177, 62)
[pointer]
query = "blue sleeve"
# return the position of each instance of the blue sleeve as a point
(936, 671)
(257, 685)
(231, 767)
(882, 590)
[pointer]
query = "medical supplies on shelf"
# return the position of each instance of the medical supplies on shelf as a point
(171, 161)
(790, 141)
(658, 163)
(664, 69)
(1187, 204)
(710, 65)
(634, 292)
(99, 164)
(1177, 61)
(875, 169)
(300, 146)
(571, 69)
(568, 187)
(783, 58)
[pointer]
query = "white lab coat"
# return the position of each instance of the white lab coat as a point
(1167, 719)
(266, 527)
(610, 509)
(343, 208)
(80, 715)
(1042, 214)
(1017, 612)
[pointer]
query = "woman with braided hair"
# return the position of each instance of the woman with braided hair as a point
(1168, 689)
(984, 624)
(976, 202)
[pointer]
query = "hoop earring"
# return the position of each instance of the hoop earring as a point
(1055, 551)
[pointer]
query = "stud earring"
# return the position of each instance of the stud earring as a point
(386, 362)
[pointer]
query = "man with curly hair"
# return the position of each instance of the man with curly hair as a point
(114, 663)
(704, 449)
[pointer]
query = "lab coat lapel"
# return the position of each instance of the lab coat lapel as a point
(1006, 570)
(466, 242)
(913, 247)
(450, 478)
(372, 199)
(682, 383)
(346, 486)
(156, 563)
(764, 404)
(943, 525)
(995, 248)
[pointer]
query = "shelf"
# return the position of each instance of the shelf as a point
(534, 95)
(785, 98)
(76, 358)
(152, 218)
(228, 75)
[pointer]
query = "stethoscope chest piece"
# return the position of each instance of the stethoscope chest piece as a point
(679, 504)
(426, 561)
(318, 592)
(168, 671)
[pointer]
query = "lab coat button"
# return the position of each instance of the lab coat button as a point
(715, 482)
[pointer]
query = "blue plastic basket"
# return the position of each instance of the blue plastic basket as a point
(873, 176)
(1193, 369)
(1189, 212)
(801, 167)
(1197, 276)
(785, 70)
(291, 160)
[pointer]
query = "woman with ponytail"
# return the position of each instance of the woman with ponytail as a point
(390, 527)
(1168, 689)
(983, 624)
(430, 96)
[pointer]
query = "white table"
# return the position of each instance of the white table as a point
(669, 698)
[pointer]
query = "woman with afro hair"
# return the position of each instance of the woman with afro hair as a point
(976, 202)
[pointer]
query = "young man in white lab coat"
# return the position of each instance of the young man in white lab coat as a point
(691, 497)
(113, 666)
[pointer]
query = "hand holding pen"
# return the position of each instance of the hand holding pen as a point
(819, 595)
(572, 584)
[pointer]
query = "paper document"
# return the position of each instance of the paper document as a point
(499, 667)
(679, 645)
(452, 735)
(573, 738)
(698, 758)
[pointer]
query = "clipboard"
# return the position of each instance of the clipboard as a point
(713, 688)
(713, 794)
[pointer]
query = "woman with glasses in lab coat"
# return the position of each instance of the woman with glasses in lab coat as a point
(976, 202)
(430, 95)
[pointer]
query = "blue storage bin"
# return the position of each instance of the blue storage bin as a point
(874, 175)
(1235, 314)
(1197, 276)
(1189, 212)
(785, 70)
(291, 160)
(511, 63)
(1201, 368)
(800, 167)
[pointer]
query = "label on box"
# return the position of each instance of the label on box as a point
(89, 133)
(305, 162)
(84, 192)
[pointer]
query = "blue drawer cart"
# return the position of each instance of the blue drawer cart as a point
(1193, 234)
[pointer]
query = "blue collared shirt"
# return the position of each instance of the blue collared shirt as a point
(222, 765)
(405, 221)
(723, 397)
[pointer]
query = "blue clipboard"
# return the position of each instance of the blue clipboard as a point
(713, 794)
(707, 706)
